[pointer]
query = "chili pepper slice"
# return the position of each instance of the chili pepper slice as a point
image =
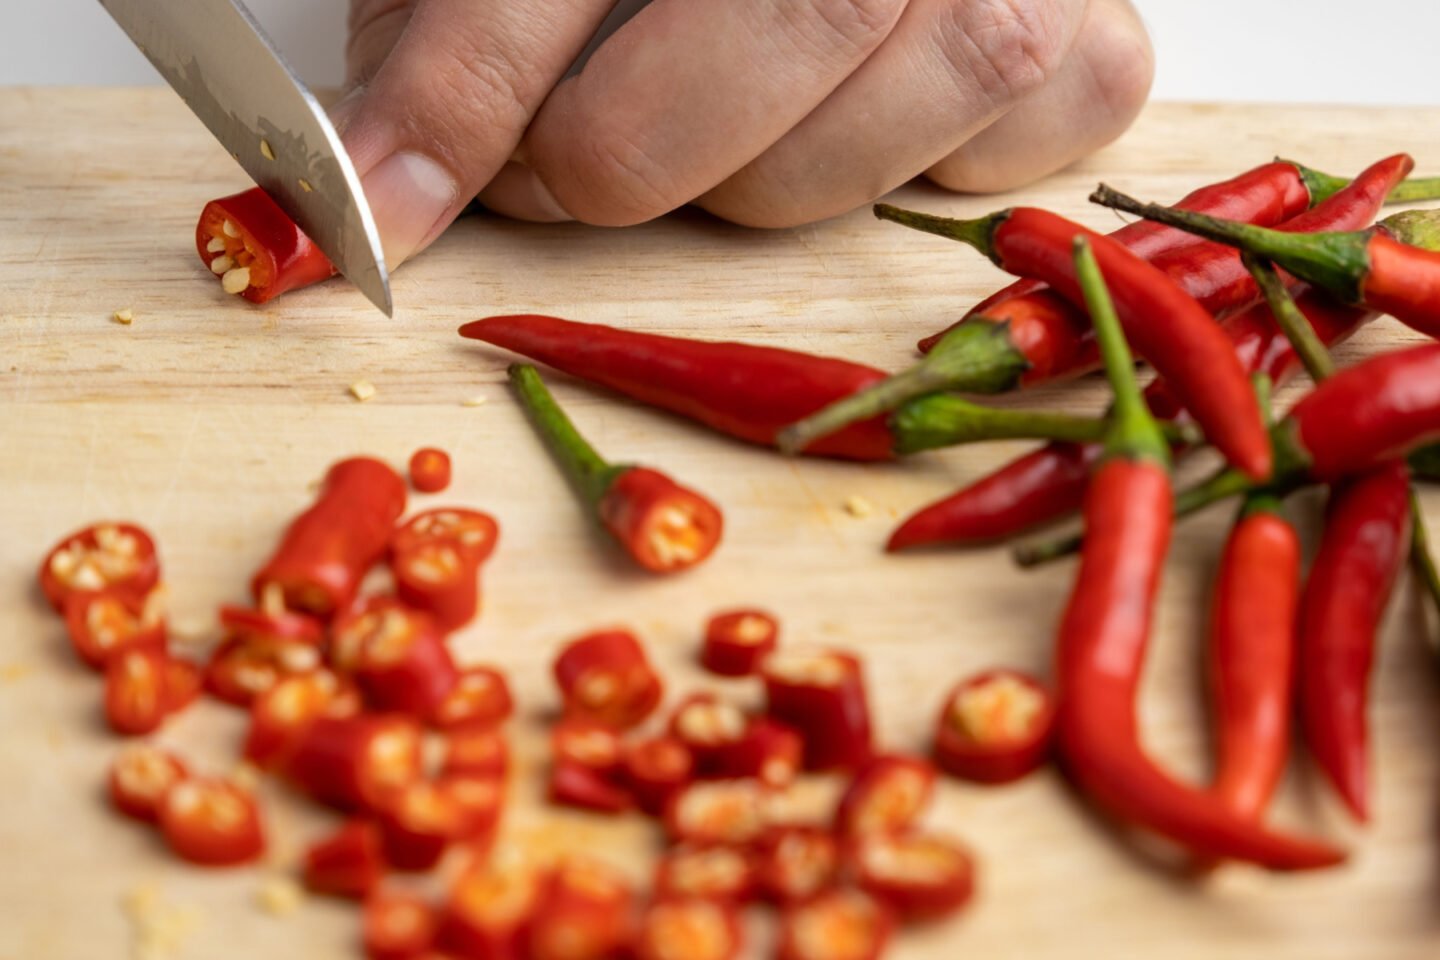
(398, 926)
(489, 909)
(102, 622)
(480, 698)
(241, 669)
(737, 640)
(476, 752)
(707, 872)
(769, 751)
(585, 912)
(796, 863)
(348, 863)
(328, 549)
(183, 683)
(441, 578)
(102, 556)
(708, 727)
(135, 692)
(211, 822)
(995, 727)
(654, 769)
(280, 715)
(663, 526)
(718, 812)
(274, 625)
(837, 925)
(605, 677)
(139, 776)
(400, 659)
(356, 763)
(476, 532)
(689, 929)
(820, 694)
(429, 470)
(424, 817)
(255, 249)
(918, 876)
(586, 767)
(886, 795)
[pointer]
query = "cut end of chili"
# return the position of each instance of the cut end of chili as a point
(994, 727)
(429, 470)
(255, 250)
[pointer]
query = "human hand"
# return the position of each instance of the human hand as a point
(764, 112)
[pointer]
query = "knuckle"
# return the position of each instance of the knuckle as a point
(1008, 48)
(474, 92)
(1121, 66)
(850, 26)
(614, 180)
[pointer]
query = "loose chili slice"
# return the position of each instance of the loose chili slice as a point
(242, 669)
(327, 550)
(718, 812)
(654, 769)
(886, 795)
(796, 863)
(281, 715)
(480, 698)
(994, 727)
(474, 531)
(585, 912)
(441, 578)
(838, 925)
(398, 656)
(425, 817)
(211, 822)
(429, 470)
(183, 682)
(398, 926)
(102, 556)
(713, 872)
(605, 678)
(918, 876)
(585, 769)
(139, 776)
(689, 929)
(489, 910)
(476, 752)
(356, 763)
(769, 751)
(737, 640)
(348, 863)
(255, 249)
(102, 622)
(135, 692)
(709, 727)
(820, 694)
(274, 624)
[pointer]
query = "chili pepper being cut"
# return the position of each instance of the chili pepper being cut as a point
(103, 623)
(328, 549)
(688, 929)
(139, 776)
(348, 863)
(211, 822)
(429, 470)
(255, 249)
(664, 527)
(737, 640)
(356, 763)
(102, 556)
(1104, 632)
(995, 727)
(820, 694)
(605, 677)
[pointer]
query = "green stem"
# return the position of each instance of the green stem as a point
(979, 233)
(1414, 189)
(588, 472)
(1294, 324)
(1418, 228)
(1422, 561)
(1425, 464)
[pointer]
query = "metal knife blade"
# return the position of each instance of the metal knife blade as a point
(224, 67)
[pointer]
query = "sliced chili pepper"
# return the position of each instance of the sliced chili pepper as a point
(425, 816)
(995, 727)
(183, 683)
(796, 863)
(1105, 628)
(139, 776)
(886, 795)
(441, 578)
(480, 698)
(356, 763)
(489, 909)
(718, 812)
(276, 625)
(429, 470)
(255, 249)
(655, 769)
(837, 925)
(771, 752)
(477, 532)
(918, 876)
(103, 622)
(211, 822)
(689, 929)
(708, 727)
(737, 640)
(586, 767)
(663, 526)
(708, 872)
(348, 863)
(398, 656)
(605, 677)
(328, 549)
(241, 669)
(482, 798)
(398, 926)
(102, 556)
(135, 692)
(585, 912)
(1350, 582)
(820, 694)
(476, 752)
(280, 715)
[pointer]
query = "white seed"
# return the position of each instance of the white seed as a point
(858, 506)
(125, 316)
(230, 230)
(235, 281)
(298, 658)
(216, 245)
(267, 151)
(362, 390)
(305, 185)
(280, 896)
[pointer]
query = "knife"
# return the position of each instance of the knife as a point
(216, 56)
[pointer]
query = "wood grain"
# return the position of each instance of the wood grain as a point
(208, 417)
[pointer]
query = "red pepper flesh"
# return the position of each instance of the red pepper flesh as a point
(918, 876)
(655, 769)
(246, 238)
(119, 556)
(102, 623)
(605, 677)
(211, 822)
(348, 863)
(429, 470)
(995, 727)
(397, 926)
(737, 640)
(886, 795)
(140, 776)
(821, 695)
(356, 763)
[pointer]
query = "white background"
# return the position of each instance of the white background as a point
(1326, 51)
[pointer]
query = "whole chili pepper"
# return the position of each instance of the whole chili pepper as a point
(1351, 578)
(1104, 631)
(663, 526)
(1252, 654)
(255, 249)
(329, 548)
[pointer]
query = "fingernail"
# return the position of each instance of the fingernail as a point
(409, 194)
(545, 202)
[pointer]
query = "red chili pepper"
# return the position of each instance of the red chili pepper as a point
(479, 752)
(821, 695)
(274, 626)
(663, 526)
(708, 727)
(718, 812)
(476, 532)
(329, 548)
(585, 912)
(1351, 578)
(605, 677)
(707, 872)
(837, 925)
(102, 556)
(1104, 633)
(1252, 654)
(796, 863)
(480, 698)
(255, 249)
(425, 817)
(356, 763)
(398, 654)
(994, 727)
(101, 623)
(139, 776)
(586, 767)
(489, 909)
(689, 929)
(886, 795)
(280, 715)
(135, 691)
(737, 640)
(654, 769)
(918, 876)
(398, 926)
(442, 579)
(429, 470)
(348, 863)
(183, 683)
(241, 669)
(769, 751)
(211, 822)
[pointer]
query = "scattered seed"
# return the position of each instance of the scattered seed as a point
(126, 316)
(362, 390)
(266, 150)
(858, 506)
(280, 896)
(305, 185)
(473, 402)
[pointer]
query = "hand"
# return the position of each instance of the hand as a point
(764, 112)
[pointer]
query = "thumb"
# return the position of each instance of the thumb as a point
(448, 106)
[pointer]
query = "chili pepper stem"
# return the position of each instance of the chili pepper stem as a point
(979, 233)
(1292, 322)
(1418, 228)
(1323, 185)
(590, 473)
(1423, 563)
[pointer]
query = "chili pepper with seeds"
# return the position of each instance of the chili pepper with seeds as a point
(918, 876)
(397, 655)
(475, 532)
(604, 677)
(255, 249)
(689, 929)
(886, 795)
(440, 578)
(842, 924)
(655, 769)
(211, 822)
(356, 763)
(709, 872)
(737, 640)
(104, 623)
(397, 926)
(820, 694)
(995, 727)
(489, 910)
(102, 556)
(140, 775)
(796, 863)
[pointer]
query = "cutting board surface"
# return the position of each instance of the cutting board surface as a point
(209, 419)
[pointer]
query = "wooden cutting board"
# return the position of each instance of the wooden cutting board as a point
(208, 419)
